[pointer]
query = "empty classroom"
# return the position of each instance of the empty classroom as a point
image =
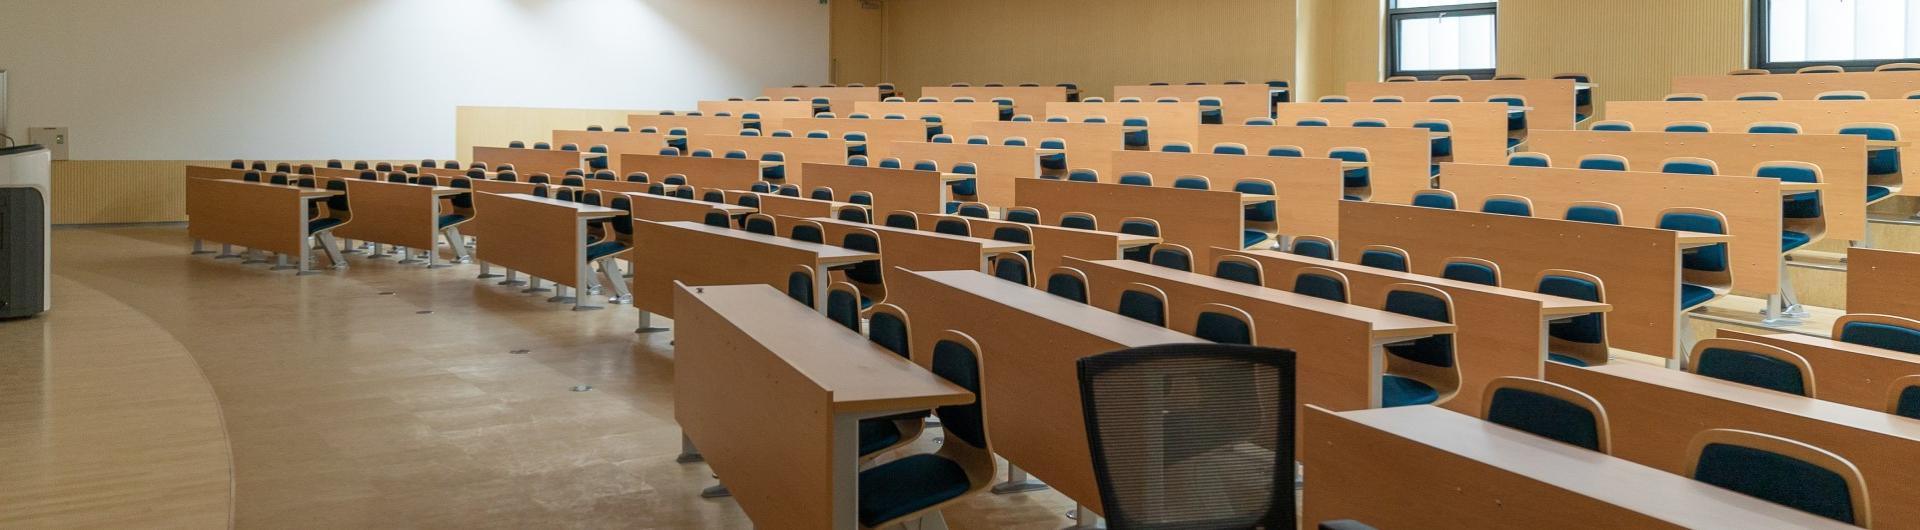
(985, 264)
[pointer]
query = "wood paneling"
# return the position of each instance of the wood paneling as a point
(121, 191)
(1632, 48)
(1881, 281)
(1877, 85)
(1397, 157)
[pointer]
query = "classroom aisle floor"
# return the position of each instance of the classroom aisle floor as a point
(389, 395)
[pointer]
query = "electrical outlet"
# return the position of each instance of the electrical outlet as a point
(53, 138)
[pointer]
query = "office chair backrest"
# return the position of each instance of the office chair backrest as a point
(1593, 212)
(1320, 282)
(1752, 363)
(1471, 270)
(1757, 96)
(1384, 257)
(887, 326)
(1172, 256)
(1013, 267)
(1083, 175)
(1603, 162)
(1687, 165)
(952, 226)
(1069, 283)
(1314, 247)
(1613, 125)
(1773, 127)
(1441, 199)
(1548, 410)
(1687, 127)
(1023, 215)
(1879, 331)
(1232, 403)
(843, 305)
(1144, 303)
(1192, 182)
(1504, 204)
(903, 219)
(1292, 151)
(808, 231)
(1079, 220)
(1240, 269)
(975, 210)
(1529, 159)
(1224, 324)
(1781, 471)
(800, 284)
(1136, 178)
(760, 223)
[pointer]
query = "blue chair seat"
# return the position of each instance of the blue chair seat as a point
(317, 225)
(963, 187)
(908, 485)
(603, 249)
(953, 206)
(877, 434)
(1790, 240)
(1693, 295)
(1875, 193)
(1396, 391)
(449, 219)
(1350, 197)
(1562, 359)
(1249, 237)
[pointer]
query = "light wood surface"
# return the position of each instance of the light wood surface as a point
(664, 208)
(1500, 331)
(1196, 219)
(701, 172)
(956, 119)
(1237, 102)
(841, 98)
(1752, 205)
(407, 215)
(697, 254)
(892, 189)
(797, 150)
(1397, 157)
(1814, 117)
(1881, 282)
(1640, 266)
(1307, 191)
(772, 113)
(1031, 397)
(1877, 85)
(1026, 100)
(526, 162)
(1654, 414)
(695, 125)
(1479, 129)
(1848, 374)
(777, 205)
(1551, 99)
(249, 214)
(1842, 159)
(999, 166)
(917, 250)
(1089, 145)
(1052, 244)
(1413, 466)
(1340, 357)
(1166, 122)
(618, 143)
(759, 382)
(545, 238)
(881, 134)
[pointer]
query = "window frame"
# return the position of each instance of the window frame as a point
(1757, 52)
(1396, 14)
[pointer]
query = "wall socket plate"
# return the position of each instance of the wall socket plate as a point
(53, 138)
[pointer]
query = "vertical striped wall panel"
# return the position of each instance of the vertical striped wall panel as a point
(119, 191)
(1632, 48)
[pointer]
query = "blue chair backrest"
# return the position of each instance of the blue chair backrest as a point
(1136, 179)
(1285, 151)
(1707, 258)
(1239, 272)
(1190, 183)
(1590, 328)
(1592, 214)
(1528, 160)
(1081, 222)
(1176, 148)
(1320, 286)
(903, 220)
(1908, 404)
(1882, 162)
(1143, 307)
(1434, 200)
(1749, 368)
(1505, 206)
(800, 287)
(1310, 122)
(1023, 217)
(1772, 129)
(960, 365)
(1880, 335)
(1381, 259)
(1067, 286)
(1172, 259)
(1798, 206)
(1082, 175)
(1603, 164)
(1313, 249)
(890, 332)
(1686, 128)
(954, 227)
(1263, 211)
(1616, 127)
(977, 211)
(1470, 272)
(760, 225)
(1012, 270)
(1224, 149)
(1435, 350)
(843, 307)
(1223, 328)
(1545, 416)
(1686, 167)
(1776, 478)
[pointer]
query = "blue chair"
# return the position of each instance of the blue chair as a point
(1005, 106)
(1136, 135)
(1229, 148)
(1136, 178)
(865, 274)
(1516, 120)
(760, 223)
(1442, 147)
(1752, 363)
(967, 187)
(516, 144)
(1527, 159)
(1278, 92)
(1431, 375)
(941, 139)
(1879, 331)
(1286, 151)
(861, 198)
(1083, 175)
(1548, 410)
(1314, 247)
(1580, 340)
(856, 143)
(843, 308)
(1023, 215)
(1260, 121)
(1688, 127)
(1139, 226)
(857, 161)
(1370, 122)
(1504, 204)
(1773, 127)
(1842, 95)
(1687, 165)
(1593, 212)
(1685, 97)
(1781, 471)
(1192, 182)
(1068, 283)
(569, 147)
(1261, 219)
(1603, 162)
(1803, 216)
(934, 126)
(1903, 398)
(669, 151)
(1357, 181)
(1053, 161)
(808, 231)
(1078, 220)
(903, 219)
(1323, 283)
(1240, 269)
(1015, 141)
(1210, 111)
(1471, 270)
(731, 154)
(975, 210)
(1757, 96)
(677, 139)
(1441, 199)
(1333, 99)
(918, 485)
(1310, 122)
(1884, 163)
(894, 163)
(852, 213)
(1384, 257)
(1013, 267)
(1705, 272)
(1144, 303)
(953, 227)
(821, 193)
(1176, 147)
(887, 327)
(1172, 256)
(1613, 125)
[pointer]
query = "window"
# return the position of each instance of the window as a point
(1429, 38)
(1858, 34)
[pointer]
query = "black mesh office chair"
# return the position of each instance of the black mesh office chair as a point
(1226, 460)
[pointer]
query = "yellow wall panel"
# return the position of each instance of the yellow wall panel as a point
(1632, 48)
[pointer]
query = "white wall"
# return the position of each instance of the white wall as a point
(374, 79)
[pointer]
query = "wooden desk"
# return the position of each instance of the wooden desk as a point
(1752, 205)
(956, 119)
(892, 189)
(1307, 190)
(1654, 414)
(701, 172)
(1843, 166)
(1881, 282)
(1501, 331)
(772, 113)
(1397, 157)
(1089, 145)
(840, 98)
(664, 208)
(1341, 347)
(1053, 244)
(694, 253)
(1418, 467)
(1844, 373)
(1640, 266)
(1877, 85)
(1197, 219)
(881, 134)
(1552, 100)
(1814, 117)
(773, 396)
(405, 215)
(998, 166)
(695, 125)
(798, 151)
(1166, 122)
(777, 205)
(918, 250)
(1031, 394)
(542, 237)
(1479, 129)
(618, 143)
(258, 216)
(526, 162)
(1237, 102)
(1026, 100)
